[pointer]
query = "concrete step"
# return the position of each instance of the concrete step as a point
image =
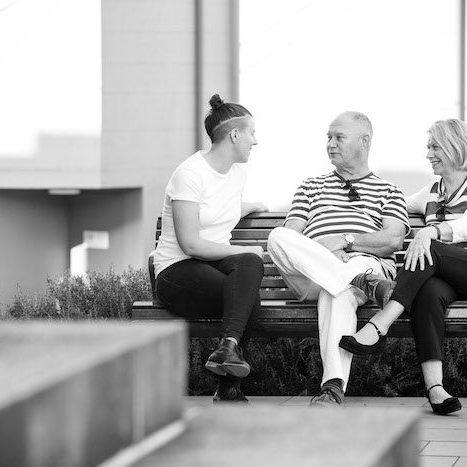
(271, 435)
(74, 393)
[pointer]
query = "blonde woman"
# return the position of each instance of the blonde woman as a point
(435, 272)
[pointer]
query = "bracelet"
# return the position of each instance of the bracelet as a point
(438, 232)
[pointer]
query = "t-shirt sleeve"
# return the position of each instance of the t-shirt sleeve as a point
(300, 207)
(185, 185)
(395, 208)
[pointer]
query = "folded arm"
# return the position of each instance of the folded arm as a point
(382, 243)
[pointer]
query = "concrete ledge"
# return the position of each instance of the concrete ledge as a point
(75, 393)
(277, 436)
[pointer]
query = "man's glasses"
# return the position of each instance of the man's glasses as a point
(441, 211)
(353, 193)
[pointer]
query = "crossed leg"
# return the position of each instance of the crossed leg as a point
(315, 273)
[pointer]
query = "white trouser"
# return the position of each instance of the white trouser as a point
(315, 273)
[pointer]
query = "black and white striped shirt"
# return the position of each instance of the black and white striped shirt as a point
(432, 201)
(323, 203)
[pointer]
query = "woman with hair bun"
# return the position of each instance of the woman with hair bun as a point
(198, 272)
(435, 271)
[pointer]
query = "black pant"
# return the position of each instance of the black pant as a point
(227, 289)
(426, 295)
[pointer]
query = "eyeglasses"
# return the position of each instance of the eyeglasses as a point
(441, 211)
(353, 193)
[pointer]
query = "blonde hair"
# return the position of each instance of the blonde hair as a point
(451, 135)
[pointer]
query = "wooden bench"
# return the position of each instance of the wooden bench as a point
(282, 315)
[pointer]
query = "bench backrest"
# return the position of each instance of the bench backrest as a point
(254, 230)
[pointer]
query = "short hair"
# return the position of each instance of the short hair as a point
(222, 118)
(451, 135)
(362, 119)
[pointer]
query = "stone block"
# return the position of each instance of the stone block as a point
(76, 393)
(277, 436)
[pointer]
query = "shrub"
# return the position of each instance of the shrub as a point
(280, 366)
(98, 295)
(286, 366)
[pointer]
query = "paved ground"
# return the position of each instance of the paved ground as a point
(443, 440)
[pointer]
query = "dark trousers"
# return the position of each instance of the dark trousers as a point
(227, 289)
(426, 295)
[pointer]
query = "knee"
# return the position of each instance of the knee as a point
(428, 302)
(250, 260)
(276, 237)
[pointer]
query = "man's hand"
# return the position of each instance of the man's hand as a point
(342, 255)
(333, 242)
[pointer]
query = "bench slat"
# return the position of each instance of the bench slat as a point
(299, 320)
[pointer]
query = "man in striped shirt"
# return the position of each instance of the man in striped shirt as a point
(338, 242)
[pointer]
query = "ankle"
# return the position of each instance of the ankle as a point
(233, 339)
(382, 327)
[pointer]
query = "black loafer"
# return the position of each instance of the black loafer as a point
(449, 405)
(351, 344)
(228, 359)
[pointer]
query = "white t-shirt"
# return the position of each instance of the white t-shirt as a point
(219, 198)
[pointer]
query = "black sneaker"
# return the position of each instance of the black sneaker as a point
(376, 288)
(228, 359)
(228, 390)
(331, 394)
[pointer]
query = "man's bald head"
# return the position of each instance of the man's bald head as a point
(359, 119)
(349, 141)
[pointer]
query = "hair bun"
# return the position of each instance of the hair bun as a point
(216, 102)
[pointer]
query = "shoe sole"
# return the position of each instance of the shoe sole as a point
(215, 368)
(239, 371)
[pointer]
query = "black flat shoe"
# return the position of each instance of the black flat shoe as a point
(449, 405)
(351, 344)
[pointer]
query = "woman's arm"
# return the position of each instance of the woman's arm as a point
(454, 230)
(416, 203)
(187, 228)
(248, 208)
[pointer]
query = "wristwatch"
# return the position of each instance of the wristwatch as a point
(350, 239)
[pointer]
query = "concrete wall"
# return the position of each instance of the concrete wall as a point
(33, 239)
(117, 212)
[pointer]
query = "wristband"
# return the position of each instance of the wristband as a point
(438, 232)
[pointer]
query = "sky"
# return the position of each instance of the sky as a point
(50, 71)
(302, 62)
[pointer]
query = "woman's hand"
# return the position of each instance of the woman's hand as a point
(248, 208)
(419, 249)
(261, 207)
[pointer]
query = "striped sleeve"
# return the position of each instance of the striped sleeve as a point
(300, 208)
(396, 208)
